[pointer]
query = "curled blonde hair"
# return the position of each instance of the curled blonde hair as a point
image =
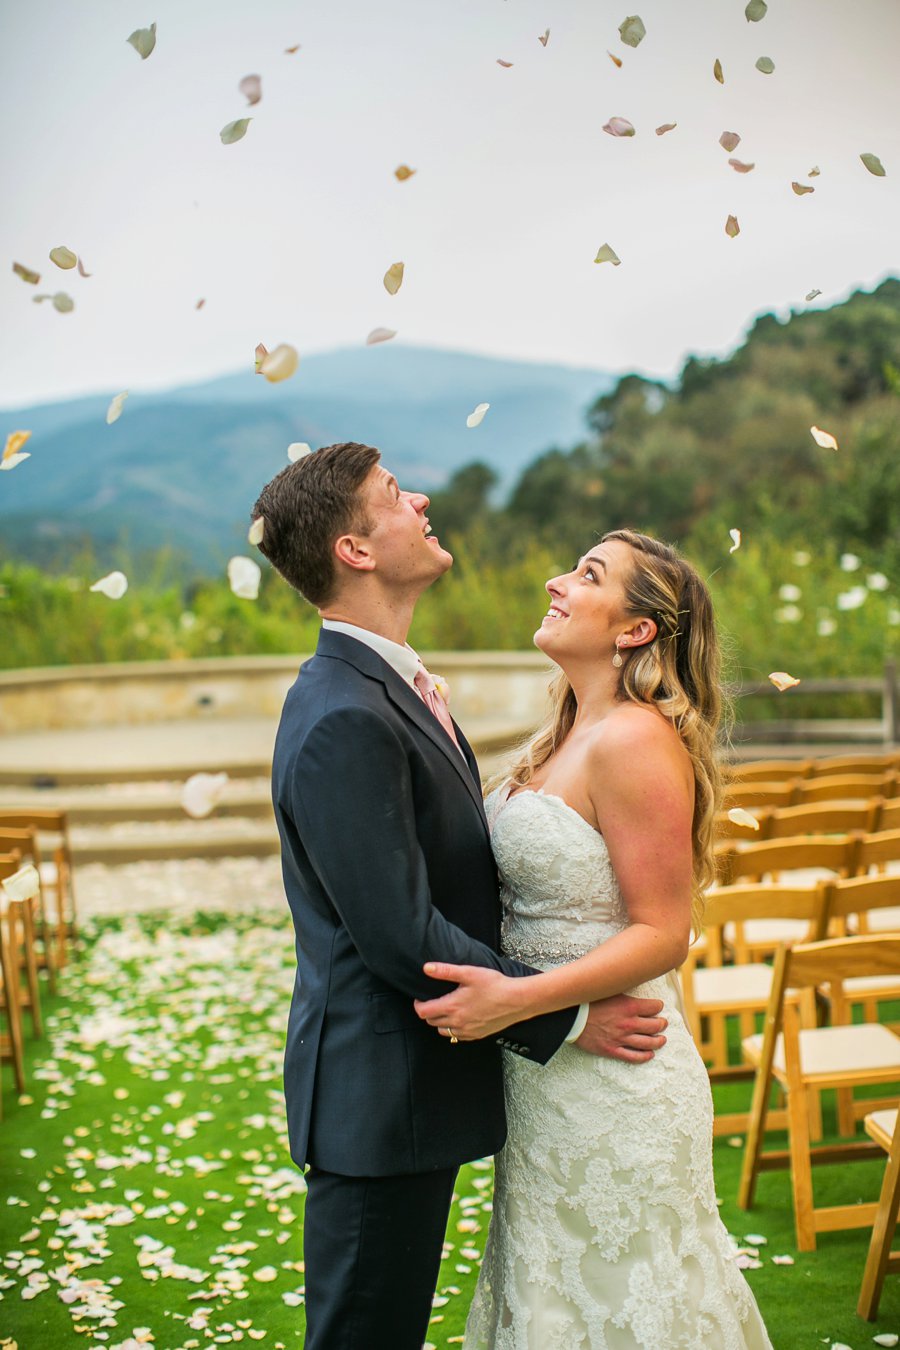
(678, 673)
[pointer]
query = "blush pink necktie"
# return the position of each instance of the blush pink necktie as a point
(431, 698)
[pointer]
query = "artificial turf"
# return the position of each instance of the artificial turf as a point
(148, 1196)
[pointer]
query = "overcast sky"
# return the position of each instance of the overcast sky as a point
(287, 234)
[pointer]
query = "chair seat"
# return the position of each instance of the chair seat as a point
(864, 984)
(720, 986)
(865, 1049)
(880, 1126)
(883, 920)
(770, 932)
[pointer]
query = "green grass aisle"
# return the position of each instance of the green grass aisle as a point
(149, 1200)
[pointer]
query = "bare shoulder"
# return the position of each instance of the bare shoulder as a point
(632, 729)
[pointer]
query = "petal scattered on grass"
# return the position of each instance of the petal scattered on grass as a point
(380, 335)
(244, 577)
(802, 189)
(765, 65)
(298, 450)
(782, 680)
(606, 253)
(619, 126)
(26, 274)
(666, 126)
(257, 530)
(22, 885)
(476, 418)
(886, 1338)
(736, 540)
(235, 131)
(729, 140)
(738, 816)
(12, 453)
(823, 438)
(393, 278)
(739, 166)
(782, 1260)
(403, 171)
(718, 72)
(507, 65)
(632, 30)
(63, 257)
(873, 164)
(756, 10)
(143, 40)
(251, 87)
(732, 228)
(114, 411)
(544, 38)
(201, 792)
(113, 585)
(811, 295)
(616, 60)
(279, 364)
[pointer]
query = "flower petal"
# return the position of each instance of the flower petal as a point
(113, 585)
(24, 884)
(756, 10)
(393, 278)
(632, 31)
(738, 816)
(811, 295)
(201, 792)
(873, 164)
(14, 442)
(732, 228)
(251, 87)
(823, 438)
(26, 274)
(802, 189)
(114, 411)
(63, 257)
(765, 65)
(619, 126)
(606, 253)
(814, 171)
(507, 65)
(62, 303)
(403, 171)
(616, 60)
(257, 530)
(729, 140)
(717, 71)
(143, 40)
(666, 126)
(736, 540)
(235, 131)
(782, 680)
(289, 51)
(740, 167)
(544, 38)
(279, 364)
(476, 418)
(298, 450)
(259, 356)
(244, 577)
(200, 303)
(81, 271)
(380, 335)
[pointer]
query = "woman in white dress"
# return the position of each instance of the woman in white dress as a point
(605, 1233)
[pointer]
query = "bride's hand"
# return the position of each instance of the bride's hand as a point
(483, 1003)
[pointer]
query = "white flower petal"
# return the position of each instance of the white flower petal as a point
(256, 531)
(279, 364)
(823, 438)
(736, 540)
(297, 451)
(143, 40)
(24, 884)
(113, 585)
(782, 680)
(114, 411)
(63, 257)
(849, 562)
(380, 335)
(738, 816)
(201, 792)
(632, 30)
(606, 253)
(476, 418)
(244, 577)
(235, 131)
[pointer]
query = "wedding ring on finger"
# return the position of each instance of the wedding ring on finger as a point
(454, 1039)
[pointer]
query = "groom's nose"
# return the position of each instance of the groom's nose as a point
(418, 499)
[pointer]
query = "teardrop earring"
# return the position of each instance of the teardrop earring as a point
(617, 659)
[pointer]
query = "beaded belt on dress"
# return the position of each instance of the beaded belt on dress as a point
(544, 955)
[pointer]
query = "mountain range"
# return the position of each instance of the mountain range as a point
(182, 468)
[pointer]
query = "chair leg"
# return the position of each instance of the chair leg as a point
(31, 973)
(12, 1000)
(755, 1134)
(845, 1114)
(882, 1237)
(814, 1114)
(801, 1170)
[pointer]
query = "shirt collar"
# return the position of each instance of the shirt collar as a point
(402, 659)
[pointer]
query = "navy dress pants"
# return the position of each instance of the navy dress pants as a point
(372, 1248)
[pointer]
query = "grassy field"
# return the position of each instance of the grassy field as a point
(148, 1195)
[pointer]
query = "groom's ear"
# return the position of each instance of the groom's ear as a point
(353, 551)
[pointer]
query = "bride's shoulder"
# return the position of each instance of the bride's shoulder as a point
(633, 729)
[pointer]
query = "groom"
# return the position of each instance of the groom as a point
(387, 864)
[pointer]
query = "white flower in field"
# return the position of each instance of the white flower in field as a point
(826, 627)
(849, 562)
(801, 558)
(877, 581)
(243, 577)
(789, 592)
(114, 585)
(788, 614)
(853, 598)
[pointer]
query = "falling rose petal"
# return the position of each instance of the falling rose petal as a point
(718, 73)
(22, 885)
(802, 189)
(789, 1261)
(235, 131)
(114, 411)
(736, 540)
(823, 438)
(62, 303)
(505, 64)
(298, 450)
(26, 274)
(393, 278)
(632, 31)
(738, 816)
(476, 417)
(729, 140)
(619, 126)
(666, 126)
(201, 792)
(290, 51)
(811, 295)
(873, 164)
(82, 272)
(615, 60)
(63, 257)
(755, 11)
(740, 167)
(243, 577)
(607, 254)
(782, 680)
(257, 530)
(251, 87)
(113, 585)
(279, 364)
(200, 304)
(403, 171)
(143, 40)
(380, 335)
(765, 65)
(260, 355)
(732, 228)
(814, 171)
(544, 38)
(11, 454)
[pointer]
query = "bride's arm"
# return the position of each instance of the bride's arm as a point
(642, 795)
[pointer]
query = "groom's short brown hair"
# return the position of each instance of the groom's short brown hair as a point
(307, 507)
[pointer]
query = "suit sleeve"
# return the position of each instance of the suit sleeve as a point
(352, 801)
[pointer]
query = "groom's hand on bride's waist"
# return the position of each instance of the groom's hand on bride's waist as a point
(623, 1027)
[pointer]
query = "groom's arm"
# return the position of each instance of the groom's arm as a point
(352, 801)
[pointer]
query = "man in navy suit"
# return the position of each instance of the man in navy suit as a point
(387, 865)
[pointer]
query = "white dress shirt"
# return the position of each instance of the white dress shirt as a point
(406, 662)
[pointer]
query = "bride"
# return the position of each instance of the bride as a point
(605, 1233)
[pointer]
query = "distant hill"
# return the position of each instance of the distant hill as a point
(182, 468)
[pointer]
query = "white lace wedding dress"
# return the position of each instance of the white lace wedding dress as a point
(605, 1233)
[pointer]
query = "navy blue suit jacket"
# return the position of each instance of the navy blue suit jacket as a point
(387, 864)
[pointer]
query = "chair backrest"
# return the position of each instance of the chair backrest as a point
(844, 764)
(877, 849)
(820, 818)
(856, 895)
(53, 822)
(814, 963)
(846, 787)
(762, 795)
(886, 814)
(760, 900)
(10, 862)
(834, 853)
(768, 770)
(23, 840)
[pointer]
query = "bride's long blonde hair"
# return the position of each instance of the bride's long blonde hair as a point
(678, 673)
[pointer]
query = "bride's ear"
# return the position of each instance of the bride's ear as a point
(641, 633)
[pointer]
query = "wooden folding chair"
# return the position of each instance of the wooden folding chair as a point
(762, 796)
(847, 787)
(886, 814)
(884, 1128)
(11, 1041)
(820, 818)
(57, 872)
(25, 841)
(717, 991)
(768, 770)
(842, 764)
(798, 1059)
(878, 850)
